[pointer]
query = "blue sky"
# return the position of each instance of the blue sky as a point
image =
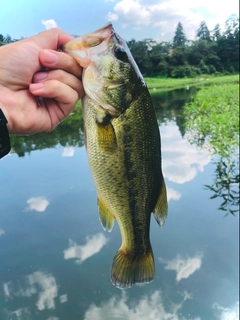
(138, 19)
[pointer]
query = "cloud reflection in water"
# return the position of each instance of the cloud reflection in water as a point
(68, 152)
(149, 307)
(227, 313)
(181, 160)
(2, 232)
(93, 245)
(38, 283)
(39, 204)
(183, 267)
(173, 194)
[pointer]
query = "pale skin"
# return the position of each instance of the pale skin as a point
(39, 86)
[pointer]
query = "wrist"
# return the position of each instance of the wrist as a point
(4, 102)
(5, 145)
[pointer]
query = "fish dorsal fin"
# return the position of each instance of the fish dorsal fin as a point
(161, 208)
(106, 218)
(106, 136)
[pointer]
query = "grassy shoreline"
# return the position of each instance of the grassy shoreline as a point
(164, 84)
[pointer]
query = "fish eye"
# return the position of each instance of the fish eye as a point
(120, 54)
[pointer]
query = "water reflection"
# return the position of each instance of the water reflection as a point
(224, 313)
(68, 134)
(39, 204)
(40, 275)
(183, 267)
(93, 245)
(68, 152)
(40, 284)
(226, 183)
(148, 307)
(181, 160)
(173, 194)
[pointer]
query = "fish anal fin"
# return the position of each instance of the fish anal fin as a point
(105, 216)
(127, 269)
(161, 207)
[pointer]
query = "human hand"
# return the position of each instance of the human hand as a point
(39, 86)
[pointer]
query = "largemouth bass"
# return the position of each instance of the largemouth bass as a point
(123, 146)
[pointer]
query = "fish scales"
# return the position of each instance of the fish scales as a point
(124, 152)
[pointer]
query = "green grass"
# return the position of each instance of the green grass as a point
(212, 119)
(163, 84)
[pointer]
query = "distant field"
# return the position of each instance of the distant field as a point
(169, 83)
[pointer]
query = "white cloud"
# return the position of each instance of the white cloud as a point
(173, 194)
(93, 245)
(2, 232)
(131, 12)
(68, 152)
(112, 16)
(181, 160)
(183, 267)
(37, 203)
(227, 313)
(49, 24)
(149, 307)
(38, 283)
(164, 15)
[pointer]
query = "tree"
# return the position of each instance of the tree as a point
(139, 50)
(8, 39)
(228, 45)
(179, 38)
(1, 40)
(216, 32)
(203, 32)
(232, 26)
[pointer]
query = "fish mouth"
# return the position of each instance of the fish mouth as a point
(85, 47)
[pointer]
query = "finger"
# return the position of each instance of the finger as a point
(60, 60)
(65, 96)
(51, 39)
(62, 76)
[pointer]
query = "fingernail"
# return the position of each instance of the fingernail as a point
(36, 86)
(39, 76)
(50, 57)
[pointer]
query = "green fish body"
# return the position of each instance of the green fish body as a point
(123, 146)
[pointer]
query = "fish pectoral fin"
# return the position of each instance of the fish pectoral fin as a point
(106, 218)
(161, 208)
(106, 136)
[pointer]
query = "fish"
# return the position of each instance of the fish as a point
(123, 146)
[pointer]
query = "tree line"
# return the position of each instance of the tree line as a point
(213, 52)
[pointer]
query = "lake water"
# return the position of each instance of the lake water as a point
(55, 258)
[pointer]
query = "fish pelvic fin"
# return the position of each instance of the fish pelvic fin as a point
(105, 216)
(127, 269)
(161, 209)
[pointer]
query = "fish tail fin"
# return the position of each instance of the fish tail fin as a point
(128, 269)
